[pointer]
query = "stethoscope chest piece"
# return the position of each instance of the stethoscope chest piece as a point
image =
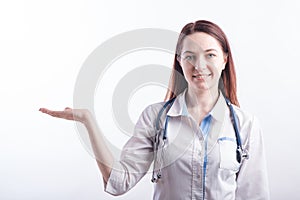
(241, 154)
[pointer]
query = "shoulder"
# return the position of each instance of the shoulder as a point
(244, 117)
(153, 109)
(249, 125)
(150, 113)
(146, 123)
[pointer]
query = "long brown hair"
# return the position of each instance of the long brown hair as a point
(227, 82)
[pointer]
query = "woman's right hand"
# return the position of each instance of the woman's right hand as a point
(102, 153)
(80, 115)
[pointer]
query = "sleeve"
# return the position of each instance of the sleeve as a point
(252, 179)
(136, 156)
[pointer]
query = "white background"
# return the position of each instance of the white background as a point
(44, 43)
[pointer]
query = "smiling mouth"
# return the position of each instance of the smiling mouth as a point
(201, 75)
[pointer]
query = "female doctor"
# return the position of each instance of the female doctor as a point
(201, 144)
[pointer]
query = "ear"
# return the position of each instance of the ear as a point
(178, 59)
(225, 61)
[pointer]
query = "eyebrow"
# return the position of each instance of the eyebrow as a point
(207, 50)
(188, 52)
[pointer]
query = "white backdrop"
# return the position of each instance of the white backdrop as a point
(44, 43)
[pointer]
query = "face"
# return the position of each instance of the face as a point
(202, 60)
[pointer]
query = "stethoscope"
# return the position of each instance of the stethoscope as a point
(240, 152)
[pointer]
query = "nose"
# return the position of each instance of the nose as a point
(200, 63)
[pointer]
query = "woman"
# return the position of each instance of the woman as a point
(192, 138)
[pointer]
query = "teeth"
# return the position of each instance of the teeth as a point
(202, 76)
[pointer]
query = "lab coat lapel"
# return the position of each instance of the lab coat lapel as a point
(219, 112)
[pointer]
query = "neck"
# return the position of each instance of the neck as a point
(203, 100)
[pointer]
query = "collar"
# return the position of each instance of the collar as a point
(179, 107)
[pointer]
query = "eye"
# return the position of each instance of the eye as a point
(188, 58)
(211, 55)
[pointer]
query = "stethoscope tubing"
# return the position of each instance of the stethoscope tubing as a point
(241, 153)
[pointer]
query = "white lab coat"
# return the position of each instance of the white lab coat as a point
(182, 158)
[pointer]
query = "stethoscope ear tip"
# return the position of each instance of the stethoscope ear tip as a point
(154, 180)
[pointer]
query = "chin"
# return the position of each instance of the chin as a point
(201, 87)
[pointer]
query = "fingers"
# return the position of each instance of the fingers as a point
(47, 111)
(44, 110)
(59, 114)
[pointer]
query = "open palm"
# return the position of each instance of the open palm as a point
(68, 113)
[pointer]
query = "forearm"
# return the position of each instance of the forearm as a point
(102, 153)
